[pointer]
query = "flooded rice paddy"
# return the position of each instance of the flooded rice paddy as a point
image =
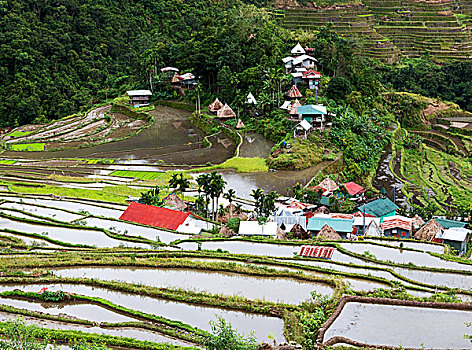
(45, 212)
(276, 289)
(405, 326)
(197, 316)
(68, 235)
(426, 247)
(120, 332)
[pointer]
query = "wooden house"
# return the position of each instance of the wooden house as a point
(294, 109)
(139, 98)
(457, 238)
(302, 129)
(293, 93)
(397, 226)
(312, 77)
(314, 114)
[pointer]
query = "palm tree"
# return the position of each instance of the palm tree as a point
(203, 182)
(182, 184)
(258, 195)
(230, 196)
(217, 186)
(174, 181)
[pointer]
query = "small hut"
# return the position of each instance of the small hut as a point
(215, 106)
(251, 100)
(417, 222)
(328, 233)
(373, 230)
(294, 108)
(232, 212)
(429, 231)
(299, 232)
(293, 93)
(173, 201)
(175, 80)
(322, 210)
(239, 124)
(280, 233)
(225, 112)
(328, 185)
(226, 232)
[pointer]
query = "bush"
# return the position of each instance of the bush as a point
(226, 338)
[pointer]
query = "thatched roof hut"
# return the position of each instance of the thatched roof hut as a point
(293, 93)
(233, 213)
(328, 185)
(175, 79)
(429, 231)
(239, 124)
(299, 232)
(328, 233)
(417, 222)
(225, 112)
(226, 232)
(294, 108)
(215, 106)
(172, 200)
(322, 210)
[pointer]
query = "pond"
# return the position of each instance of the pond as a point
(73, 236)
(275, 289)
(255, 145)
(197, 316)
(405, 326)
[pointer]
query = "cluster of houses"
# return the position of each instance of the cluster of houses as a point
(224, 111)
(302, 68)
(185, 80)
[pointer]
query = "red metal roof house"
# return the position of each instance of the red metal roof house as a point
(354, 189)
(154, 216)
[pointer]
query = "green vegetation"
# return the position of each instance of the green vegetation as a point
(226, 338)
(7, 161)
(35, 147)
(18, 133)
(242, 165)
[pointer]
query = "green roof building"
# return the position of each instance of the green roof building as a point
(379, 208)
(341, 226)
(446, 223)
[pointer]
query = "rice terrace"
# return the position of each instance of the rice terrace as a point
(236, 175)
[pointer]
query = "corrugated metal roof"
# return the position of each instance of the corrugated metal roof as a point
(379, 207)
(154, 216)
(339, 225)
(397, 221)
(317, 251)
(139, 93)
(312, 109)
(353, 188)
(446, 223)
(457, 234)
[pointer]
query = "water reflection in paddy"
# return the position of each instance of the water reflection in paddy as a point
(278, 289)
(433, 248)
(197, 316)
(410, 327)
(45, 212)
(404, 256)
(120, 332)
(73, 236)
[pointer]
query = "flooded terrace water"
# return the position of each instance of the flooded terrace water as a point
(197, 316)
(405, 326)
(404, 256)
(117, 332)
(67, 235)
(285, 290)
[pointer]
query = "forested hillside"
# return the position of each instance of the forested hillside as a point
(58, 56)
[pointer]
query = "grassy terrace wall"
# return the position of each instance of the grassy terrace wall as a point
(386, 28)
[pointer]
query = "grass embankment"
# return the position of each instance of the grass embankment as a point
(7, 161)
(302, 155)
(33, 147)
(240, 164)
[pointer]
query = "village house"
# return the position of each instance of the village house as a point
(253, 228)
(314, 114)
(456, 238)
(293, 93)
(299, 59)
(379, 208)
(302, 129)
(312, 77)
(139, 98)
(434, 229)
(215, 106)
(294, 109)
(225, 112)
(354, 190)
(165, 218)
(327, 186)
(343, 227)
(397, 226)
(365, 226)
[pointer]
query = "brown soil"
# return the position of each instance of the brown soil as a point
(432, 108)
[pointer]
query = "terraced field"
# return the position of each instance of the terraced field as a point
(100, 125)
(385, 29)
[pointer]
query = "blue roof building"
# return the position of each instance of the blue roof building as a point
(341, 226)
(379, 208)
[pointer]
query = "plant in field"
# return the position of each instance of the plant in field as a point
(47, 295)
(224, 337)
